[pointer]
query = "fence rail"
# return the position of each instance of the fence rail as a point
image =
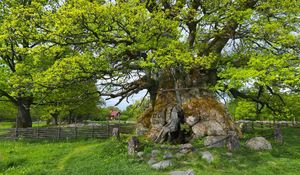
(103, 131)
(269, 124)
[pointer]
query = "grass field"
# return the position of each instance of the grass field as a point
(109, 157)
(4, 125)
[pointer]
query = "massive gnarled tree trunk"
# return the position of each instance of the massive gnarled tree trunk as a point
(185, 100)
(23, 117)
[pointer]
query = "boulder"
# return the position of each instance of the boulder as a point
(188, 172)
(199, 130)
(186, 146)
(259, 143)
(168, 156)
(206, 155)
(192, 120)
(152, 161)
(155, 153)
(140, 154)
(214, 128)
(215, 141)
(210, 128)
(162, 164)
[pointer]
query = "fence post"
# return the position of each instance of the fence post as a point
(75, 131)
(108, 129)
(93, 130)
(59, 130)
(17, 132)
(37, 131)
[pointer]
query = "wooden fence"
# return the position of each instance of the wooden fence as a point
(73, 132)
(267, 124)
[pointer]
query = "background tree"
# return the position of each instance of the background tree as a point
(24, 52)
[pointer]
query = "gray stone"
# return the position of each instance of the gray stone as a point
(206, 155)
(155, 153)
(199, 130)
(188, 172)
(184, 151)
(192, 120)
(210, 128)
(214, 128)
(152, 161)
(186, 146)
(215, 141)
(162, 164)
(140, 154)
(259, 143)
(168, 156)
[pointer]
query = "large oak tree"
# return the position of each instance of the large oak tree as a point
(181, 52)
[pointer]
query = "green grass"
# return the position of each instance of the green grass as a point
(4, 125)
(109, 157)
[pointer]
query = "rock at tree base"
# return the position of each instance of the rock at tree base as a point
(206, 155)
(162, 164)
(204, 115)
(215, 141)
(133, 145)
(259, 143)
(192, 120)
(189, 172)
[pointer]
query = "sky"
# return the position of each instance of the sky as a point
(124, 103)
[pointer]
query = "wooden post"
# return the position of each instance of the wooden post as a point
(233, 142)
(17, 129)
(59, 132)
(108, 128)
(75, 131)
(37, 131)
(116, 133)
(277, 134)
(133, 145)
(93, 131)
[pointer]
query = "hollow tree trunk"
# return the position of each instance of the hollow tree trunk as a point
(185, 100)
(23, 116)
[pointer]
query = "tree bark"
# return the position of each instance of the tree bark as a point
(23, 116)
(55, 117)
(185, 100)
